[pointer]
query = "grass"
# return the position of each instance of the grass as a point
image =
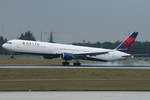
(37, 60)
(29, 61)
(32, 60)
(71, 79)
(75, 79)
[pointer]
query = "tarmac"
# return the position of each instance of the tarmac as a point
(77, 95)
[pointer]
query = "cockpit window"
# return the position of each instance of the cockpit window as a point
(9, 42)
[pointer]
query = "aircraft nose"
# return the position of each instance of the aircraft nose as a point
(4, 45)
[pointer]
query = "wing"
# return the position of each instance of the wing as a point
(91, 53)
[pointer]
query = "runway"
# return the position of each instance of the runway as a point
(106, 66)
(98, 95)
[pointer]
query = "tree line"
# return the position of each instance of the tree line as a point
(141, 48)
(138, 47)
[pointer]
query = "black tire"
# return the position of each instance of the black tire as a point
(77, 64)
(65, 63)
(12, 56)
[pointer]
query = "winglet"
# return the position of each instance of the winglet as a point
(127, 43)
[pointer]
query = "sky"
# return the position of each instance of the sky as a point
(75, 20)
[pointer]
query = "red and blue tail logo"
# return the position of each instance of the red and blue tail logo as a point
(127, 43)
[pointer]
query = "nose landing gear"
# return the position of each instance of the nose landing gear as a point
(12, 56)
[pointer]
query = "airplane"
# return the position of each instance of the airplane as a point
(69, 52)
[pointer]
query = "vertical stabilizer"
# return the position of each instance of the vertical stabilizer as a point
(127, 43)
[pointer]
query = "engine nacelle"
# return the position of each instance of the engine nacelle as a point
(67, 56)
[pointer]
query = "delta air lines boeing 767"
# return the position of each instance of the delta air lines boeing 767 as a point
(70, 52)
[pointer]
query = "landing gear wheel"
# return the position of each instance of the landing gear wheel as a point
(12, 56)
(65, 63)
(77, 64)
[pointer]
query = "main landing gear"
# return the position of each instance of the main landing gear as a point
(77, 63)
(65, 63)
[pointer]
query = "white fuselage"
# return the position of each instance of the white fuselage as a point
(45, 48)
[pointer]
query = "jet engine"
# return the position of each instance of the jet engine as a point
(67, 56)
